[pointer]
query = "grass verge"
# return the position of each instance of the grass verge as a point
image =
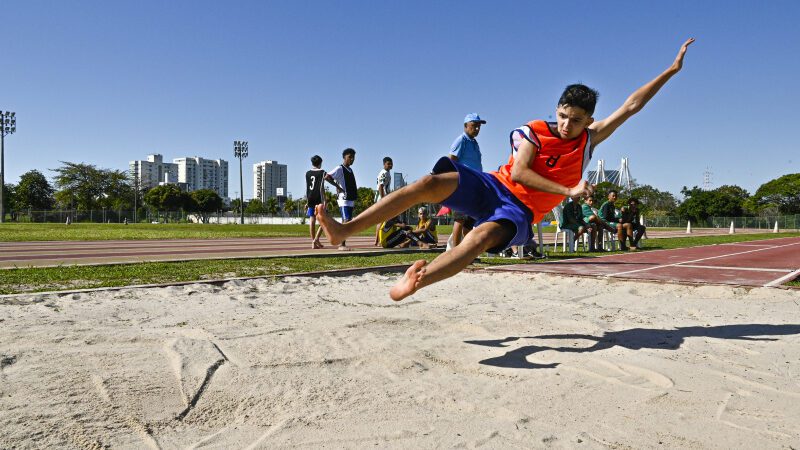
(82, 277)
(17, 232)
(14, 281)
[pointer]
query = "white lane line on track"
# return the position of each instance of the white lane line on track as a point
(751, 245)
(783, 279)
(754, 269)
(698, 260)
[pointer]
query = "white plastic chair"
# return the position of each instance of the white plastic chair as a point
(609, 239)
(567, 236)
(557, 211)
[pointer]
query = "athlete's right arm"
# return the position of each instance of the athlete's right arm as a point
(522, 173)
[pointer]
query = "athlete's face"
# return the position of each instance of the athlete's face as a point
(388, 165)
(472, 129)
(612, 197)
(349, 159)
(572, 120)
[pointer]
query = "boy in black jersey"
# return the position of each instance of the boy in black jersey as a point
(315, 195)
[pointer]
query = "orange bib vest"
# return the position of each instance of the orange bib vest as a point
(560, 160)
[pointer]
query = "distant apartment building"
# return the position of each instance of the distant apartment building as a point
(200, 173)
(269, 180)
(190, 173)
(153, 172)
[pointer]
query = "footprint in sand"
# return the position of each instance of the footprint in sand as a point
(625, 374)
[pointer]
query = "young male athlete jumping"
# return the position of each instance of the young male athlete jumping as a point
(546, 165)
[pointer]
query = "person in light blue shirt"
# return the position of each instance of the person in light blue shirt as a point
(465, 150)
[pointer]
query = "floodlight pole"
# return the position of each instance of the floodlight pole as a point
(240, 151)
(8, 125)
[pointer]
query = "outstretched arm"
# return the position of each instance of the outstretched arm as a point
(602, 129)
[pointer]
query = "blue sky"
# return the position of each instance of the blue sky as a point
(108, 82)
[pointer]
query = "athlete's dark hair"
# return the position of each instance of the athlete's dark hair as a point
(579, 95)
(348, 151)
(633, 200)
(387, 159)
(316, 161)
(613, 191)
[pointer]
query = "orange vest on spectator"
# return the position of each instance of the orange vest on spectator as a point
(560, 160)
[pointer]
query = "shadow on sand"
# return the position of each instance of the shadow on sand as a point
(634, 339)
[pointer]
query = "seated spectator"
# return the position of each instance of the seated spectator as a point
(394, 233)
(608, 211)
(424, 235)
(572, 219)
(593, 216)
(630, 227)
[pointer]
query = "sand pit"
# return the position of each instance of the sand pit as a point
(495, 360)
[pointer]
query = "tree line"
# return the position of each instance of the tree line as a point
(780, 196)
(84, 187)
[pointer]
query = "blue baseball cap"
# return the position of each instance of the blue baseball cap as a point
(473, 117)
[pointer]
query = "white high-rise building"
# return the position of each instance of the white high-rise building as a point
(153, 171)
(200, 173)
(269, 180)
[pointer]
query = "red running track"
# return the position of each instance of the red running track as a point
(770, 262)
(56, 253)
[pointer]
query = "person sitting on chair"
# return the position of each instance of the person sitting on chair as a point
(593, 217)
(630, 226)
(572, 219)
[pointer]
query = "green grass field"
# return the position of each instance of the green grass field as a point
(17, 232)
(82, 277)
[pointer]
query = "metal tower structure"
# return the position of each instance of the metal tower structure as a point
(625, 180)
(707, 179)
(600, 175)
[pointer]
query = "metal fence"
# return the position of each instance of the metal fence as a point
(790, 222)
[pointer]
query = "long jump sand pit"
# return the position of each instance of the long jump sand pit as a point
(495, 360)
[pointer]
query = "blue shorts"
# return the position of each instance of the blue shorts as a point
(310, 212)
(482, 196)
(347, 213)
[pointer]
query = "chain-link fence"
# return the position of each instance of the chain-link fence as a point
(790, 222)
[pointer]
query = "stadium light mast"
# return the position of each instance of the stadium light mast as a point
(240, 151)
(8, 125)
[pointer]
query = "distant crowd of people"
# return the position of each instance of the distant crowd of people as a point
(587, 219)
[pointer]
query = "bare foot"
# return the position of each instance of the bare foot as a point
(317, 245)
(333, 229)
(410, 281)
